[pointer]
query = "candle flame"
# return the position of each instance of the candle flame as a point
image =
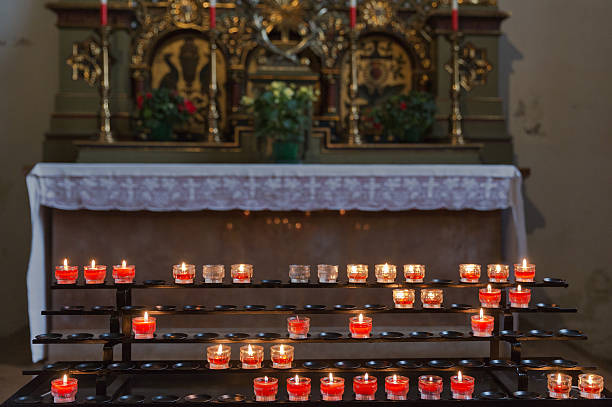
(365, 377)
(266, 379)
(93, 263)
(354, 268)
(146, 316)
(241, 268)
(430, 378)
(497, 268)
(220, 349)
(524, 262)
(481, 314)
(250, 350)
(590, 379)
(459, 376)
(331, 378)
(559, 379)
(65, 380)
(281, 350)
(518, 288)
(386, 268)
(360, 317)
(488, 288)
(297, 379)
(183, 268)
(65, 263)
(411, 268)
(123, 263)
(394, 378)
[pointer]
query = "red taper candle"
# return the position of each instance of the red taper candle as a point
(353, 13)
(455, 15)
(212, 12)
(103, 13)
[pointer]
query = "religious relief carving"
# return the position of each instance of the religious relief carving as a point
(237, 37)
(85, 61)
(473, 66)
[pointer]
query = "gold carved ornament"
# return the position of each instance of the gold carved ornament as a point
(85, 61)
(473, 66)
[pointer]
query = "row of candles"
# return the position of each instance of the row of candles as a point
(298, 273)
(365, 387)
(489, 297)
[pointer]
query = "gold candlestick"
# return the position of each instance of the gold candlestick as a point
(213, 113)
(455, 118)
(105, 136)
(353, 137)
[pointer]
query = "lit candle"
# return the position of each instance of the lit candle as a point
(212, 13)
(365, 387)
(143, 327)
(66, 274)
(265, 388)
(385, 273)
(432, 298)
(282, 356)
(353, 4)
(469, 273)
(94, 274)
(298, 327)
(124, 274)
(218, 357)
(455, 15)
(462, 387)
(357, 273)
(396, 387)
(489, 297)
(519, 297)
(590, 385)
(103, 13)
(241, 273)
(360, 327)
(559, 385)
(299, 273)
(498, 273)
(403, 298)
(482, 325)
(64, 390)
(183, 273)
(332, 388)
(430, 387)
(251, 356)
(414, 273)
(298, 388)
(327, 273)
(524, 272)
(213, 273)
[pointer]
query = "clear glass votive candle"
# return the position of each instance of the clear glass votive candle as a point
(365, 387)
(414, 273)
(94, 273)
(265, 388)
(519, 297)
(396, 387)
(385, 273)
(524, 272)
(64, 390)
(482, 325)
(241, 273)
(590, 385)
(432, 297)
(327, 273)
(430, 387)
(143, 327)
(213, 273)
(489, 297)
(498, 273)
(360, 327)
(559, 385)
(298, 388)
(403, 298)
(183, 273)
(332, 388)
(298, 327)
(469, 273)
(282, 356)
(251, 356)
(66, 274)
(357, 273)
(218, 357)
(462, 387)
(124, 273)
(299, 273)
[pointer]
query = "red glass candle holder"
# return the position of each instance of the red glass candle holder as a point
(143, 327)
(357, 273)
(469, 273)
(124, 273)
(66, 274)
(430, 387)
(360, 327)
(385, 273)
(332, 388)
(282, 356)
(519, 297)
(414, 273)
(498, 273)
(559, 385)
(298, 388)
(298, 327)
(241, 273)
(265, 388)
(403, 298)
(483, 325)
(183, 273)
(396, 387)
(432, 298)
(213, 273)
(218, 357)
(299, 273)
(94, 273)
(524, 272)
(251, 356)
(590, 385)
(64, 390)
(462, 387)
(489, 297)
(327, 273)
(365, 387)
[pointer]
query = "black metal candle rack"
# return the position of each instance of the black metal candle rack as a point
(508, 381)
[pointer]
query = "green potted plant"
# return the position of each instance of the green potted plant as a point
(405, 118)
(160, 110)
(282, 114)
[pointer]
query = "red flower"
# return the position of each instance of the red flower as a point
(139, 101)
(149, 95)
(181, 108)
(190, 107)
(403, 106)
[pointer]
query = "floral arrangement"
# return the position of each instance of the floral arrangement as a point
(161, 109)
(405, 117)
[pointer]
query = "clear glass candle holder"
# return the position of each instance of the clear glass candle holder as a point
(218, 357)
(357, 273)
(469, 273)
(282, 356)
(251, 356)
(327, 273)
(298, 327)
(332, 388)
(298, 388)
(498, 273)
(385, 273)
(241, 273)
(213, 273)
(64, 389)
(124, 273)
(432, 297)
(66, 274)
(396, 387)
(430, 387)
(489, 297)
(590, 385)
(403, 298)
(94, 274)
(144, 327)
(265, 388)
(365, 387)
(414, 273)
(462, 387)
(483, 325)
(525, 272)
(519, 297)
(360, 327)
(299, 273)
(559, 385)
(183, 273)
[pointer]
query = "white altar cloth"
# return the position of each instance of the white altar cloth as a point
(196, 187)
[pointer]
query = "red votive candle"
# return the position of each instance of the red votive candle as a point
(489, 297)
(241, 273)
(332, 388)
(143, 327)
(430, 387)
(414, 273)
(298, 327)
(498, 273)
(298, 388)
(559, 385)
(469, 273)
(396, 387)
(265, 388)
(64, 390)
(183, 273)
(462, 387)
(519, 297)
(218, 357)
(124, 274)
(365, 387)
(94, 274)
(403, 298)
(482, 325)
(524, 272)
(360, 327)
(357, 273)
(432, 298)
(282, 356)
(590, 385)
(385, 273)
(66, 274)
(251, 356)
